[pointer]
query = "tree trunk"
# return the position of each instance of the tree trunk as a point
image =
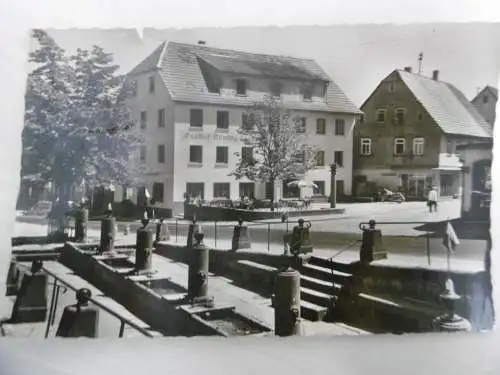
(272, 194)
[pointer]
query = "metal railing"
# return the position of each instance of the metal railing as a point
(59, 285)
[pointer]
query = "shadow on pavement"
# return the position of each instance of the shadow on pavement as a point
(467, 230)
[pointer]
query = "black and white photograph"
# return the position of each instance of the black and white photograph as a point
(304, 180)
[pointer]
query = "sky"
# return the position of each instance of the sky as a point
(356, 57)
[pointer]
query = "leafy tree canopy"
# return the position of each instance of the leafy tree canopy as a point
(78, 128)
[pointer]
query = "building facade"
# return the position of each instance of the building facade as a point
(408, 137)
(477, 184)
(190, 101)
(485, 103)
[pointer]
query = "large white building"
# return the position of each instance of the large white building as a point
(190, 101)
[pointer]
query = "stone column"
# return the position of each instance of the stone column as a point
(144, 249)
(333, 195)
(286, 303)
(198, 270)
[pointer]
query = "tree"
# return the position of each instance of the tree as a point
(279, 144)
(78, 128)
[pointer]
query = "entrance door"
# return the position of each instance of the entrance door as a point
(339, 188)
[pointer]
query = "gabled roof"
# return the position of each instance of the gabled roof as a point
(447, 105)
(179, 66)
(492, 90)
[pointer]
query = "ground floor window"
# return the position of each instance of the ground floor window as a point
(290, 191)
(158, 192)
(319, 189)
(195, 189)
(247, 189)
(222, 190)
(416, 186)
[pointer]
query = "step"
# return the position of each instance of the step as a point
(312, 312)
(325, 274)
(318, 298)
(326, 263)
(319, 285)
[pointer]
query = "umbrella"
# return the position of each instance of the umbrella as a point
(302, 184)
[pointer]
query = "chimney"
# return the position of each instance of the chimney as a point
(201, 42)
(408, 69)
(435, 75)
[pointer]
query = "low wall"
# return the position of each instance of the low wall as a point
(209, 213)
(416, 291)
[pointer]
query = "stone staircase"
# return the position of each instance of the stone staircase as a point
(320, 288)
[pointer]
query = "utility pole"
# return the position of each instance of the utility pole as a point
(420, 58)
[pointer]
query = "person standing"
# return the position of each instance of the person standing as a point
(432, 199)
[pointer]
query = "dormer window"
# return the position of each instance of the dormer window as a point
(241, 86)
(307, 93)
(276, 88)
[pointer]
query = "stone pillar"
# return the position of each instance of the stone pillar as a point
(108, 228)
(194, 228)
(333, 194)
(162, 233)
(81, 319)
(241, 237)
(31, 302)
(286, 303)
(371, 246)
(81, 222)
(144, 250)
(451, 322)
(198, 270)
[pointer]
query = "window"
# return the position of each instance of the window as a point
(418, 146)
(247, 154)
(151, 85)
(319, 189)
(241, 86)
(161, 118)
(366, 146)
(301, 126)
(391, 87)
(300, 157)
(381, 116)
(195, 189)
(142, 153)
(307, 93)
(246, 122)
(450, 147)
(158, 190)
(196, 118)
(144, 119)
(195, 154)
(222, 120)
(276, 88)
(320, 158)
(419, 116)
(338, 158)
(222, 189)
(247, 189)
(400, 116)
(320, 126)
(339, 126)
(399, 146)
(161, 154)
(485, 99)
(221, 154)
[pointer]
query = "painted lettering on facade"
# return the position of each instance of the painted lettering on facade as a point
(221, 137)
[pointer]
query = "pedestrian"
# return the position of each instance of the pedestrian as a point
(432, 199)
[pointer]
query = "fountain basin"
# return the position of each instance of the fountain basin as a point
(228, 322)
(162, 287)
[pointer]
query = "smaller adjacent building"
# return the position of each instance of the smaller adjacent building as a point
(408, 137)
(485, 103)
(476, 197)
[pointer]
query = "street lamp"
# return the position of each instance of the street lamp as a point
(333, 173)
